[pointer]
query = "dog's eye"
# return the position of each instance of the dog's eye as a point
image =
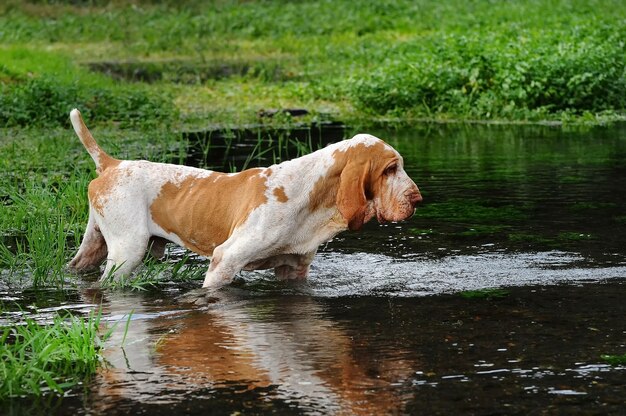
(391, 169)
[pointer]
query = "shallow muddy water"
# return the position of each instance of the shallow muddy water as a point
(390, 321)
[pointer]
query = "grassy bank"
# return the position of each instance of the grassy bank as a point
(37, 359)
(206, 63)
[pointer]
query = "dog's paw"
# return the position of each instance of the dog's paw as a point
(199, 297)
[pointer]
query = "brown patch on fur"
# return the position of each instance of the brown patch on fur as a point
(352, 181)
(324, 193)
(100, 188)
(279, 193)
(204, 212)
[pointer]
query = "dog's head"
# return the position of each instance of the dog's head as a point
(373, 183)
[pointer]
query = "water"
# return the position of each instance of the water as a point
(385, 324)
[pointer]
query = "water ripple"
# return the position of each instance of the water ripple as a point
(341, 274)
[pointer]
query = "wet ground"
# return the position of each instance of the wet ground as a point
(395, 319)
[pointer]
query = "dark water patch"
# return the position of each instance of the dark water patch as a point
(513, 187)
(284, 112)
(41, 304)
(12, 239)
(234, 150)
(257, 352)
(190, 72)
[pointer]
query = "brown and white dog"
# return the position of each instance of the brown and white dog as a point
(259, 218)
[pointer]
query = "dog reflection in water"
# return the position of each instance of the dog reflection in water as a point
(287, 344)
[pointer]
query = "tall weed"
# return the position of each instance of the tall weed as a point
(44, 218)
(35, 358)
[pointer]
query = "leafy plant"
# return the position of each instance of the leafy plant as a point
(495, 76)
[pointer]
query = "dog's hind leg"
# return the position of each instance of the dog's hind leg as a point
(125, 254)
(92, 251)
(127, 241)
(157, 247)
(297, 271)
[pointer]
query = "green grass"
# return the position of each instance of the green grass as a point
(37, 359)
(40, 88)
(575, 236)
(157, 272)
(45, 219)
(222, 62)
(531, 239)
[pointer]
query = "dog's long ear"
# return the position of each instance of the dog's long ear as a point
(351, 198)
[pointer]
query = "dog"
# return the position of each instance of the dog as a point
(259, 218)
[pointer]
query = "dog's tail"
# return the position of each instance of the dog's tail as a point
(102, 160)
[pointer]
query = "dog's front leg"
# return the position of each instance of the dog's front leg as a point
(220, 272)
(228, 259)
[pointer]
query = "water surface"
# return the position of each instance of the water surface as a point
(385, 324)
